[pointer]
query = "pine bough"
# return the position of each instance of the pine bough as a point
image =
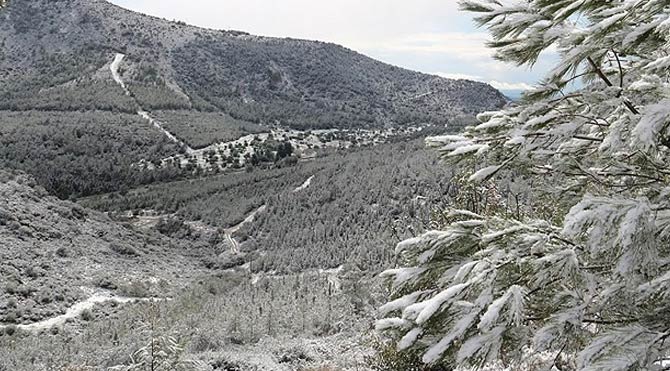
(588, 289)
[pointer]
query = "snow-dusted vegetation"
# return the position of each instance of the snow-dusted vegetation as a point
(587, 283)
(279, 144)
(234, 199)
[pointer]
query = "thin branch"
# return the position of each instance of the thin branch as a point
(618, 61)
(633, 175)
(584, 137)
(607, 81)
(558, 355)
(610, 322)
(573, 95)
(531, 292)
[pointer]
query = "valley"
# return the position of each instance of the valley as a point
(230, 199)
(181, 198)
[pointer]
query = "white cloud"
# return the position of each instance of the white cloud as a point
(423, 35)
(500, 85)
(458, 76)
(334, 20)
(461, 45)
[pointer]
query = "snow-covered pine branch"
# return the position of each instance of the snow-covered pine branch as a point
(588, 286)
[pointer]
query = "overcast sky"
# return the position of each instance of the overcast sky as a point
(425, 35)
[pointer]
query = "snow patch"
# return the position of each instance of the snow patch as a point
(647, 131)
(159, 125)
(77, 309)
(304, 185)
(114, 67)
(485, 173)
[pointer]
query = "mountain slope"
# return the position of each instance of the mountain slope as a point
(54, 253)
(52, 47)
(88, 89)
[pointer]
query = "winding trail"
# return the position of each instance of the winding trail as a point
(304, 185)
(234, 245)
(114, 67)
(159, 125)
(77, 309)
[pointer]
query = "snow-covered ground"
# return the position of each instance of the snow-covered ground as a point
(158, 125)
(114, 67)
(77, 309)
(307, 183)
(304, 143)
(248, 219)
(342, 352)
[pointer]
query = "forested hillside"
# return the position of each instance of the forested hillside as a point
(88, 64)
(152, 289)
(356, 204)
(80, 153)
(55, 48)
(352, 211)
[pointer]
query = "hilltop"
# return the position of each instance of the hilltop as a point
(56, 55)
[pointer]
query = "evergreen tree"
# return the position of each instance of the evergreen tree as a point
(587, 284)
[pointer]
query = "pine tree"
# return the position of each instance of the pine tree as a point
(588, 285)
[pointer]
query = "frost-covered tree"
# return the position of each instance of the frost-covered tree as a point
(590, 284)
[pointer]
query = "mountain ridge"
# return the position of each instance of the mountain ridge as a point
(59, 82)
(299, 83)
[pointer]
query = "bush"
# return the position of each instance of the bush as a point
(123, 249)
(294, 354)
(11, 288)
(173, 227)
(5, 217)
(45, 298)
(11, 330)
(26, 290)
(62, 252)
(107, 283)
(225, 365)
(135, 289)
(12, 316)
(87, 315)
(320, 368)
(205, 343)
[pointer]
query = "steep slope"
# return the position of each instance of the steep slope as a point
(54, 254)
(51, 48)
(87, 89)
